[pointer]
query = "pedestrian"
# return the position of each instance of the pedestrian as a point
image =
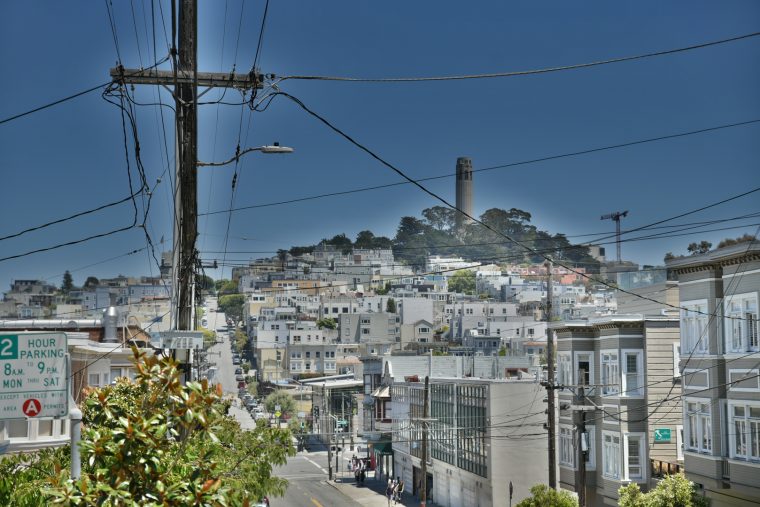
(395, 492)
(389, 491)
(400, 489)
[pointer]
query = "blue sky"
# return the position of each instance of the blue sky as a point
(71, 157)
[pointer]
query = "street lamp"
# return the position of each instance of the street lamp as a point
(273, 148)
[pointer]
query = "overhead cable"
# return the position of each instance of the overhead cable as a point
(521, 72)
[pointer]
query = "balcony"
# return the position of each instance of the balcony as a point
(660, 469)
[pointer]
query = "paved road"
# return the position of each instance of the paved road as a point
(221, 354)
(308, 484)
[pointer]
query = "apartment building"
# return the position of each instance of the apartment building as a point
(720, 364)
(482, 437)
(309, 351)
(377, 333)
(627, 367)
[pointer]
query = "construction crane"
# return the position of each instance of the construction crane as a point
(616, 216)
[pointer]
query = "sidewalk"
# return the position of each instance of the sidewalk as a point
(371, 493)
(242, 415)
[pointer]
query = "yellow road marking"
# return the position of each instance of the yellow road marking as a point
(315, 502)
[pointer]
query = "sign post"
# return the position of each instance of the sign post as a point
(33, 375)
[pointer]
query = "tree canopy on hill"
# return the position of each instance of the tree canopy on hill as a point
(436, 233)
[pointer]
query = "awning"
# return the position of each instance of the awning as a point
(382, 448)
(382, 392)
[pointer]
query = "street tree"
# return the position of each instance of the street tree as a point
(91, 282)
(68, 283)
(283, 399)
(544, 496)
(672, 491)
(463, 281)
(157, 441)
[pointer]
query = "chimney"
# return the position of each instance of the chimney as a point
(110, 322)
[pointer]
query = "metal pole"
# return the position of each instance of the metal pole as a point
(76, 435)
(326, 417)
(580, 430)
(550, 387)
(425, 415)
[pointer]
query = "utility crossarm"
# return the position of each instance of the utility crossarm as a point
(207, 79)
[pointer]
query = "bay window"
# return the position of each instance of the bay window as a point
(741, 323)
(744, 431)
(698, 426)
(564, 369)
(694, 320)
(633, 373)
(610, 372)
(635, 456)
(611, 455)
(566, 447)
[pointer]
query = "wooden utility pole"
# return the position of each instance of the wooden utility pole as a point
(549, 384)
(185, 79)
(425, 417)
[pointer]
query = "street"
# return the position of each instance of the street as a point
(308, 483)
(306, 472)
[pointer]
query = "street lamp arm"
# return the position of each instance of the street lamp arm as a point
(275, 148)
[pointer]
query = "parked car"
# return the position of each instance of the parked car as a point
(241, 384)
(238, 371)
(235, 360)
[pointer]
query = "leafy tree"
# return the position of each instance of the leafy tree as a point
(390, 306)
(91, 282)
(699, 248)
(746, 238)
(24, 478)
(282, 256)
(440, 217)
(672, 491)
(327, 323)
(365, 239)
(227, 287)
(68, 283)
(503, 351)
(154, 441)
(462, 281)
(205, 282)
(669, 256)
(297, 251)
(340, 241)
(283, 399)
(232, 305)
(381, 291)
(241, 339)
(544, 496)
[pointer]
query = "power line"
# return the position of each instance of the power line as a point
(70, 97)
(500, 166)
(522, 72)
(70, 217)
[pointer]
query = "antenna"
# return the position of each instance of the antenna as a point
(615, 216)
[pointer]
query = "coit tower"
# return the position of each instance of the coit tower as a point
(464, 189)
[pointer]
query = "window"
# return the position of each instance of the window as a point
(591, 443)
(611, 455)
(610, 376)
(317, 354)
(679, 442)
(564, 368)
(424, 330)
(584, 365)
(367, 382)
(468, 311)
(308, 354)
(365, 330)
(566, 448)
(308, 365)
(694, 317)
(635, 456)
(633, 373)
(741, 325)
(531, 331)
(698, 426)
(744, 432)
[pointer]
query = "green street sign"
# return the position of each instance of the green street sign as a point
(662, 435)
